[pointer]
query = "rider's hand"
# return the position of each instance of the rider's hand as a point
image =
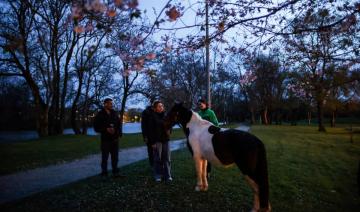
(110, 130)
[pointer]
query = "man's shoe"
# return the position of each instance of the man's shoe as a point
(169, 179)
(158, 179)
(118, 175)
(104, 174)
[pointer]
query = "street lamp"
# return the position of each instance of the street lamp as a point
(207, 52)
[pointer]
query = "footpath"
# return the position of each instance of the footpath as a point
(22, 184)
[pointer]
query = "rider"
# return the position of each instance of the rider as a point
(209, 115)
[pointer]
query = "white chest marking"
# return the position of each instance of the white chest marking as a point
(201, 140)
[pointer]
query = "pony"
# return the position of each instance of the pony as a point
(223, 148)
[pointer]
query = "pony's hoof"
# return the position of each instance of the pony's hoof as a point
(201, 188)
(267, 209)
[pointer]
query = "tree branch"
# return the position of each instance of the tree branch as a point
(9, 74)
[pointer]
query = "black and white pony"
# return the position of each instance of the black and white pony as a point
(224, 147)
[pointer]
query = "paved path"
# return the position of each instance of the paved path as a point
(243, 128)
(22, 184)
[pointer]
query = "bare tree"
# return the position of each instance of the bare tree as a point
(18, 41)
(322, 57)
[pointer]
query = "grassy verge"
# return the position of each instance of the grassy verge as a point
(19, 156)
(309, 171)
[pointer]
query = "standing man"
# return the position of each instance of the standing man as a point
(209, 115)
(107, 122)
(145, 129)
(159, 139)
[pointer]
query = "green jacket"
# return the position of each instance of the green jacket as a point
(209, 115)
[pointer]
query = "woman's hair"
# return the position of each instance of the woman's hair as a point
(155, 103)
(203, 101)
(107, 100)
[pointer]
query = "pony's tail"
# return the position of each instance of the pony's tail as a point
(262, 178)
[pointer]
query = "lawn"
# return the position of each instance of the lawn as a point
(19, 156)
(309, 171)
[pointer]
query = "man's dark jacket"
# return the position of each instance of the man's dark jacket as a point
(104, 120)
(156, 131)
(146, 121)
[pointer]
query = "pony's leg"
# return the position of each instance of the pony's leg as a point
(198, 165)
(255, 188)
(203, 175)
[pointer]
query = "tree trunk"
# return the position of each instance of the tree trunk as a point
(122, 108)
(65, 82)
(309, 117)
(320, 116)
(333, 118)
(264, 116)
(86, 107)
(54, 111)
(42, 124)
(85, 119)
(74, 124)
(253, 121)
(74, 108)
(293, 117)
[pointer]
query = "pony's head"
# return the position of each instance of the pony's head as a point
(178, 114)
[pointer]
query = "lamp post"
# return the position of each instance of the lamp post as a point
(207, 52)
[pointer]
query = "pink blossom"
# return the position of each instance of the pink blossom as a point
(134, 42)
(76, 12)
(173, 14)
(137, 67)
(167, 48)
(111, 13)
(89, 27)
(140, 61)
(133, 4)
(118, 2)
(97, 6)
(297, 90)
(123, 56)
(150, 56)
(79, 29)
(126, 72)
(221, 26)
(247, 78)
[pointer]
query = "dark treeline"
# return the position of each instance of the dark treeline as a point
(265, 95)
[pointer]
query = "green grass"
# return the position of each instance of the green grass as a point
(19, 156)
(309, 171)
